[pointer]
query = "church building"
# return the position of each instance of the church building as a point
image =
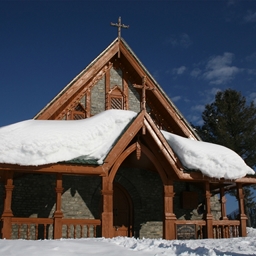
(132, 182)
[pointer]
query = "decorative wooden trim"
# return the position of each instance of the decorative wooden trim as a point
(164, 149)
(123, 142)
(87, 87)
(127, 152)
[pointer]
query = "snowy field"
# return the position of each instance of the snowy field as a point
(130, 246)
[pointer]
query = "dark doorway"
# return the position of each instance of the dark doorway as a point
(122, 212)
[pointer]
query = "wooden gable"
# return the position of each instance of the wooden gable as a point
(107, 83)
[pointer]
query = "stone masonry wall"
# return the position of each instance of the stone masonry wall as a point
(116, 78)
(34, 196)
(98, 93)
(98, 97)
(134, 98)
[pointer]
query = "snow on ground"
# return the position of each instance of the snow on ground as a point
(211, 159)
(130, 246)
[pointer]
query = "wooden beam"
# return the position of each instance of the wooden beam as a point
(56, 168)
(166, 150)
(123, 142)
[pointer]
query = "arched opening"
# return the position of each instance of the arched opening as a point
(122, 212)
(143, 184)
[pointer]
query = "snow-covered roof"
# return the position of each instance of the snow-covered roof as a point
(38, 142)
(211, 159)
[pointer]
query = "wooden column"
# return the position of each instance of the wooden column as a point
(223, 204)
(7, 212)
(58, 213)
(242, 215)
(126, 90)
(208, 216)
(107, 208)
(169, 216)
(107, 89)
(88, 103)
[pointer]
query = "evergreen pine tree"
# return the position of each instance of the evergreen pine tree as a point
(231, 122)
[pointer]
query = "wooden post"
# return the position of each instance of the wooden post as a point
(58, 213)
(169, 216)
(208, 217)
(223, 204)
(242, 215)
(107, 208)
(107, 89)
(7, 212)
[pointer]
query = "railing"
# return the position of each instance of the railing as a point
(225, 228)
(80, 228)
(43, 228)
(220, 228)
(199, 226)
(32, 228)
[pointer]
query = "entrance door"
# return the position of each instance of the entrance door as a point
(122, 212)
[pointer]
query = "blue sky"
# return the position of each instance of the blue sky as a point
(192, 48)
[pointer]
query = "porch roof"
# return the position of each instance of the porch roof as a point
(37, 142)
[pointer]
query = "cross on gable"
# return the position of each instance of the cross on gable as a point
(144, 87)
(119, 25)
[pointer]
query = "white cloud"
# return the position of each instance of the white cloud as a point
(251, 71)
(250, 17)
(196, 72)
(179, 71)
(195, 119)
(251, 57)
(185, 40)
(219, 69)
(182, 40)
(176, 98)
(252, 97)
(199, 108)
(231, 2)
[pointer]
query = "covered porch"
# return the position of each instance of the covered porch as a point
(58, 226)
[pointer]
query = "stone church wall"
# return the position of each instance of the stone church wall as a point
(134, 98)
(34, 196)
(98, 97)
(98, 94)
(116, 78)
